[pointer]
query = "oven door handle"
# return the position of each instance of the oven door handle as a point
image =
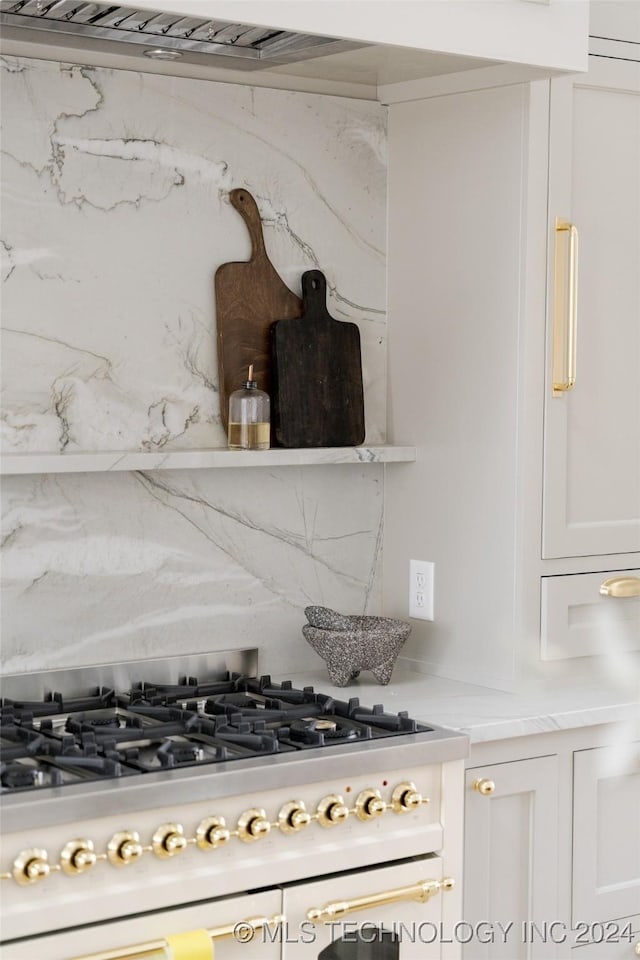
(422, 891)
(242, 930)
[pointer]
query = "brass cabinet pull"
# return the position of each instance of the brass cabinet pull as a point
(621, 587)
(485, 787)
(637, 949)
(243, 930)
(565, 328)
(422, 891)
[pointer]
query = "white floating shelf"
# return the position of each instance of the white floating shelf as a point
(30, 463)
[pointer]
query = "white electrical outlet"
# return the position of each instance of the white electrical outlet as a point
(421, 577)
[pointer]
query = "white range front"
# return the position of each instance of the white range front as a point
(304, 846)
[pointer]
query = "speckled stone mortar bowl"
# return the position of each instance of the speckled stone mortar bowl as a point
(350, 644)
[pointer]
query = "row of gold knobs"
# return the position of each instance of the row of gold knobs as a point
(124, 847)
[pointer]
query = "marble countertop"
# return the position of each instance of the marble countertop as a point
(485, 714)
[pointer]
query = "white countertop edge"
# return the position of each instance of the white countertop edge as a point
(102, 462)
(551, 722)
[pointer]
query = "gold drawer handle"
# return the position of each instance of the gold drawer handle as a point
(637, 949)
(243, 931)
(621, 587)
(565, 328)
(419, 891)
(485, 787)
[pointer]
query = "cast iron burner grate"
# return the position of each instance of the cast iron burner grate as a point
(155, 727)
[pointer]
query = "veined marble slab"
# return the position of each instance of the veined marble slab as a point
(115, 218)
(99, 568)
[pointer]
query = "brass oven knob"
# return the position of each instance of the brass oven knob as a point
(31, 866)
(485, 787)
(331, 811)
(405, 797)
(211, 833)
(77, 857)
(293, 816)
(168, 840)
(253, 825)
(124, 848)
(369, 804)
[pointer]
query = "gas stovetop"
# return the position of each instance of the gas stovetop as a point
(151, 727)
(137, 786)
(78, 744)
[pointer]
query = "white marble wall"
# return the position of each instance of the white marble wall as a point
(115, 218)
(107, 567)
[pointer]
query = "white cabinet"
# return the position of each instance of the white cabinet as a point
(514, 489)
(606, 832)
(511, 824)
(592, 432)
(552, 846)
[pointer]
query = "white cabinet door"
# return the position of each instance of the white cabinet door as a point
(606, 833)
(510, 869)
(592, 432)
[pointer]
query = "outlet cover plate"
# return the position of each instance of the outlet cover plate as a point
(421, 580)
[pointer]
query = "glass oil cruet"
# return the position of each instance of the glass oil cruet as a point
(249, 417)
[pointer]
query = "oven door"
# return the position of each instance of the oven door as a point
(246, 927)
(385, 913)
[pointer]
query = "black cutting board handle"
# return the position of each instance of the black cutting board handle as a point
(317, 395)
(314, 294)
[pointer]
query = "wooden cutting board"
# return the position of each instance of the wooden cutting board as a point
(317, 398)
(250, 295)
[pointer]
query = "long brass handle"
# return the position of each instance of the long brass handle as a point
(621, 587)
(229, 931)
(422, 891)
(565, 329)
(637, 949)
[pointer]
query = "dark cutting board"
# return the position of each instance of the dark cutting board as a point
(317, 398)
(250, 295)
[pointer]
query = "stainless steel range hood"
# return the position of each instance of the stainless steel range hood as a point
(167, 36)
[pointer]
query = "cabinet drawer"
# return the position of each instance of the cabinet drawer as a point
(578, 621)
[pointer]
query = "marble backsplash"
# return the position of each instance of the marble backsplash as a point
(115, 218)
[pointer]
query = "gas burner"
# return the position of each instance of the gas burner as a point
(320, 732)
(324, 725)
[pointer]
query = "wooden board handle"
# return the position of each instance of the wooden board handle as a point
(248, 209)
(314, 289)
